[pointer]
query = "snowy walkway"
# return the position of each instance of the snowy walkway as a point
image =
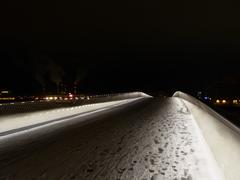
(154, 137)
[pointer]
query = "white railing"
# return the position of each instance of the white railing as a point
(222, 136)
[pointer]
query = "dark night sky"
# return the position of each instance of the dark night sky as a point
(120, 45)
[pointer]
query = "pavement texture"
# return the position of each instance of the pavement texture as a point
(155, 138)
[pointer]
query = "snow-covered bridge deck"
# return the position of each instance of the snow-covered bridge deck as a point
(155, 138)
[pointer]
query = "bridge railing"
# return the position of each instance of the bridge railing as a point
(31, 106)
(222, 136)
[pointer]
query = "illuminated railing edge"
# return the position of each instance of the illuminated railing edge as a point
(209, 110)
(222, 137)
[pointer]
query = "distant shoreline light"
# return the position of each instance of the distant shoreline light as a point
(7, 98)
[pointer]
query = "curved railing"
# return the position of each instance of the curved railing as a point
(222, 136)
(31, 106)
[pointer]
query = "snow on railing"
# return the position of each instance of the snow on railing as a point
(222, 136)
(31, 106)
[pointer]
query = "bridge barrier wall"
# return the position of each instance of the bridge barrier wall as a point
(31, 106)
(222, 136)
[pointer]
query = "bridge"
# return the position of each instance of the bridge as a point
(130, 136)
